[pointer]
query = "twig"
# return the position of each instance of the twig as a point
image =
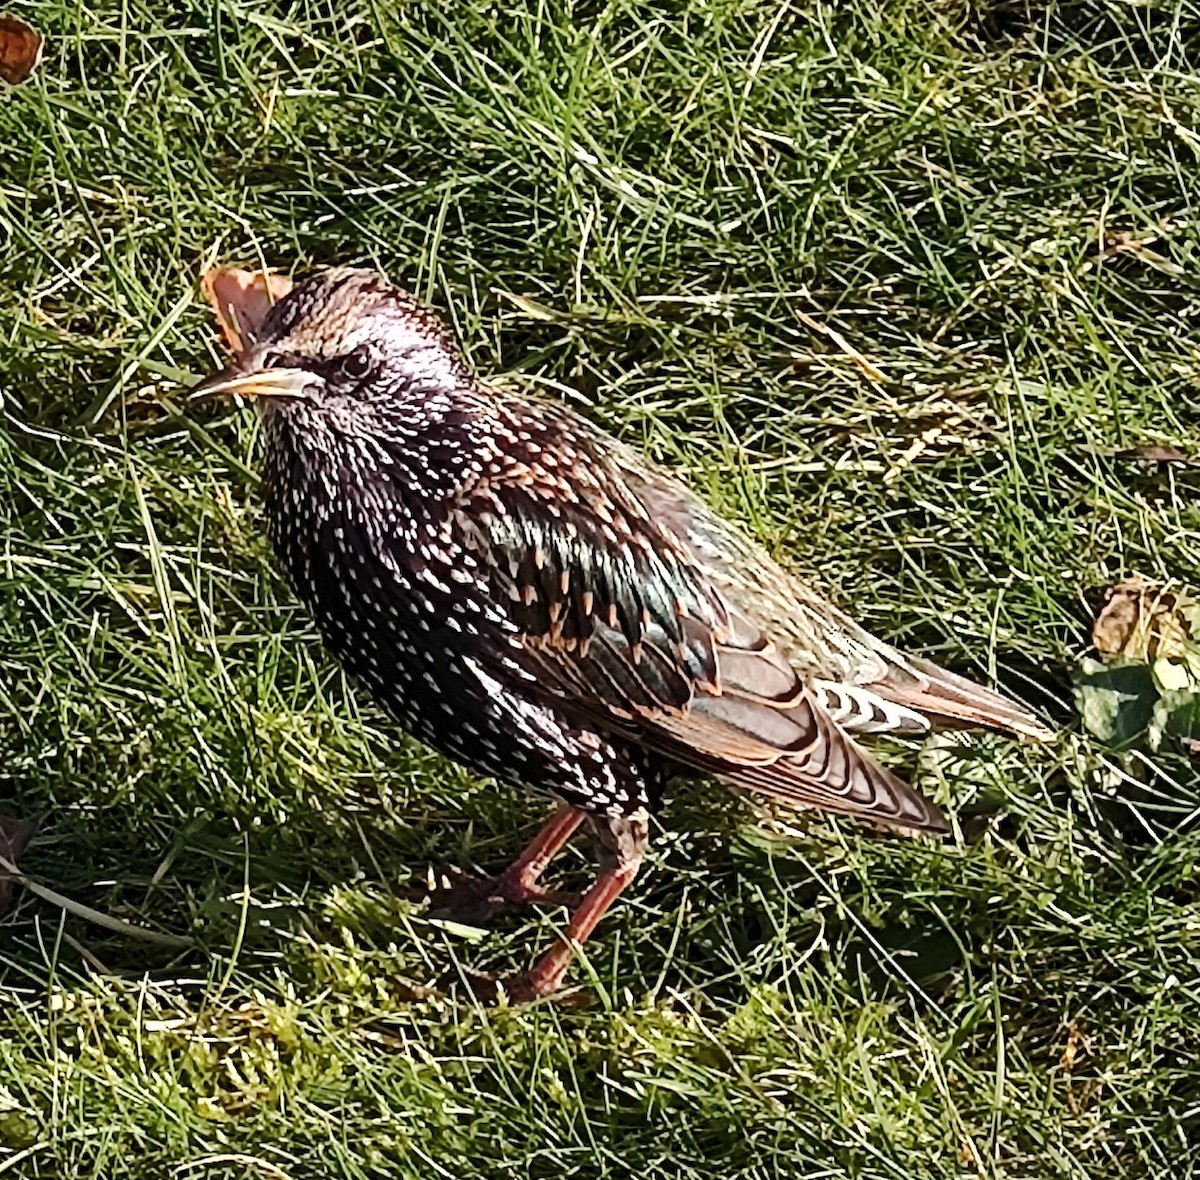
(90, 915)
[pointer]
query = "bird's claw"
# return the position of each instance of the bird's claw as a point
(472, 900)
(522, 988)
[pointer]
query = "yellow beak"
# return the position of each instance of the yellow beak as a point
(264, 383)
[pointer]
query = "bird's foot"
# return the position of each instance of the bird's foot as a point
(544, 980)
(472, 899)
(519, 989)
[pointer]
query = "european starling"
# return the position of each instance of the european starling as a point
(528, 596)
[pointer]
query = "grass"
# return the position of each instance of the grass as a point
(691, 217)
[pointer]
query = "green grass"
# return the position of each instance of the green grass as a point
(645, 207)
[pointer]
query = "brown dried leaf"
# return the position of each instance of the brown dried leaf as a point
(14, 835)
(1143, 622)
(1127, 243)
(1157, 453)
(240, 300)
(20, 50)
(1077, 1045)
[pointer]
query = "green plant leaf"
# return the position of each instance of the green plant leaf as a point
(1115, 701)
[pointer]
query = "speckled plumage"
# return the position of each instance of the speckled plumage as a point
(531, 598)
(377, 521)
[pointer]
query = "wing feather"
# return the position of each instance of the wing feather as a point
(620, 623)
(868, 685)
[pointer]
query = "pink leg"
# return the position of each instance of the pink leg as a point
(623, 842)
(546, 976)
(519, 882)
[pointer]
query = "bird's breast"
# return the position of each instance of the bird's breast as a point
(396, 594)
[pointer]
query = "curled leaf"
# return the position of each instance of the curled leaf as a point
(20, 50)
(240, 300)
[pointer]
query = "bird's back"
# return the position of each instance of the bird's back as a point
(642, 611)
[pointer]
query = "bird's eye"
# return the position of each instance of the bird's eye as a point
(356, 365)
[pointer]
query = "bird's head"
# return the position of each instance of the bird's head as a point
(341, 343)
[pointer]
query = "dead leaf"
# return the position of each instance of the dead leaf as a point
(1143, 622)
(20, 50)
(968, 1157)
(1157, 453)
(240, 300)
(14, 835)
(1127, 243)
(1076, 1044)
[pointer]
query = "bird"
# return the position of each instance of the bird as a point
(543, 605)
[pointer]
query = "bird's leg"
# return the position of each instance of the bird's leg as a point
(518, 884)
(622, 846)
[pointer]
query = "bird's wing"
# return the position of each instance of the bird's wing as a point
(618, 623)
(865, 684)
